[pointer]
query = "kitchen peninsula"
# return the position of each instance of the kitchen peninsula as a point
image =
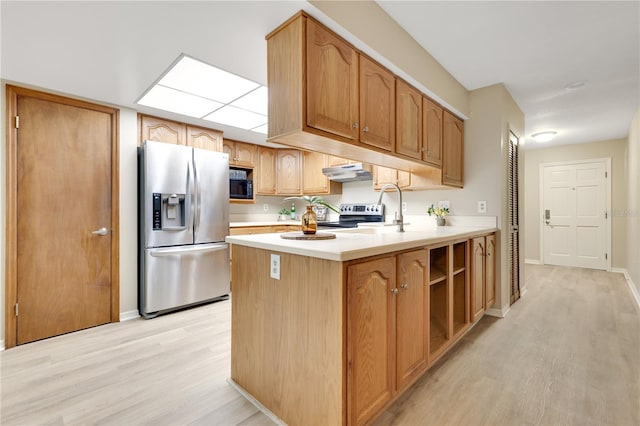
(332, 331)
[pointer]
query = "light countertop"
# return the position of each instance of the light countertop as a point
(263, 223)
(357, 243)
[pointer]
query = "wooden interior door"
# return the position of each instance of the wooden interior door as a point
(64, 215)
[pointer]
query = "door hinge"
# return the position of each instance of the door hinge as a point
(606, 256)
(606, 215)
(16, 309)
(606, 174)
(17, 121)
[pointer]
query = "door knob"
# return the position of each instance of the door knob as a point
(101, 231)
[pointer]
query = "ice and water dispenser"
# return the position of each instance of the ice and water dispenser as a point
(169, 212)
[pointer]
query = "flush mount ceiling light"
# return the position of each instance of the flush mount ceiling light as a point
(543, 136)
(196, 89)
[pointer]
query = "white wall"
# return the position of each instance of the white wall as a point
(633, 201)
(614, 149)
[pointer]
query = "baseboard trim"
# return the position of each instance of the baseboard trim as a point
(129, 315)
(632, 287)
(255, 402)
(498, 313)
(1, 345)
(533, 262)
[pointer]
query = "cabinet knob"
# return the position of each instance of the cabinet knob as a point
(488, 254)
(366, 129)
(404, 286)
(356, 125)
(394, 291)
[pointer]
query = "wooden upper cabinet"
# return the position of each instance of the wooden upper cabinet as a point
(313, 181)
(377, 105)
(266, 171)
(169, 131)
(199, 137)
(408, 120)
(432, 132)
(161, 130)
(332, 82)
(288, 176)
(241, 154)
(453, 150)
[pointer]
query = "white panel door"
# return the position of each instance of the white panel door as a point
(574, 214)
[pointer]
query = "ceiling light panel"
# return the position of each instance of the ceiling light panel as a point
(195, 77)
(179, 102)
(255, 101)
(237, 117)
(261, 129)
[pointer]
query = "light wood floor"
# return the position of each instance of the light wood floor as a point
(568, 353)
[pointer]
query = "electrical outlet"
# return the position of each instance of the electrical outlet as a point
(265, 207)
(443, 204)
(482, 206)
(275, 266)
(404, 207)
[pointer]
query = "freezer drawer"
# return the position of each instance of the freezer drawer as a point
(178, 276)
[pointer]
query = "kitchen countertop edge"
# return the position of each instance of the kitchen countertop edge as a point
(351, 245)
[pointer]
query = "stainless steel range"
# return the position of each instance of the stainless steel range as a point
(354, 213)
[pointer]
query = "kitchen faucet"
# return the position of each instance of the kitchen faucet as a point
(398, 220)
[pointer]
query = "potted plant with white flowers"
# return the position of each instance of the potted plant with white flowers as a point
(439, 213)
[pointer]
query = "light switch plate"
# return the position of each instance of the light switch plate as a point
(275, 266)
(265, 207)
(482, 206)
(404, 207)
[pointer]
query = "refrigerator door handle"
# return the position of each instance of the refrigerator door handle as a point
(198, 191)
(191, 195)
(185, 250)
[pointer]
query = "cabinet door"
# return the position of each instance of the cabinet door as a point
(408, 120)
(288, 172)
(411, 317)
(332, 83)
(383, 176)
(229, 147)
(201, 138)
(403, 179)
(371, 336)
(266, 171)
(453, 158)
(432, 132)
(337, 161)
(477, 277)
(313, 181)
(246, 154)
(490, 271)
(161, 130)
(377, 105)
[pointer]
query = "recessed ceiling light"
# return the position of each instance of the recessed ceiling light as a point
(196, 89)
(575, 85)
(544, 136)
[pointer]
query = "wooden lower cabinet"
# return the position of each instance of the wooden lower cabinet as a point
(483, 282)
(371, 332)
(344, 339)
(387, 323)
(412, 350)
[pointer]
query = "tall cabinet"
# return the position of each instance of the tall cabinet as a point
(483, 269)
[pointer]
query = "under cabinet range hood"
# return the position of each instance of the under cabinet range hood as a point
(348, 172)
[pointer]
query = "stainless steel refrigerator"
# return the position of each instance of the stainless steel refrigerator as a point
(183, 221)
